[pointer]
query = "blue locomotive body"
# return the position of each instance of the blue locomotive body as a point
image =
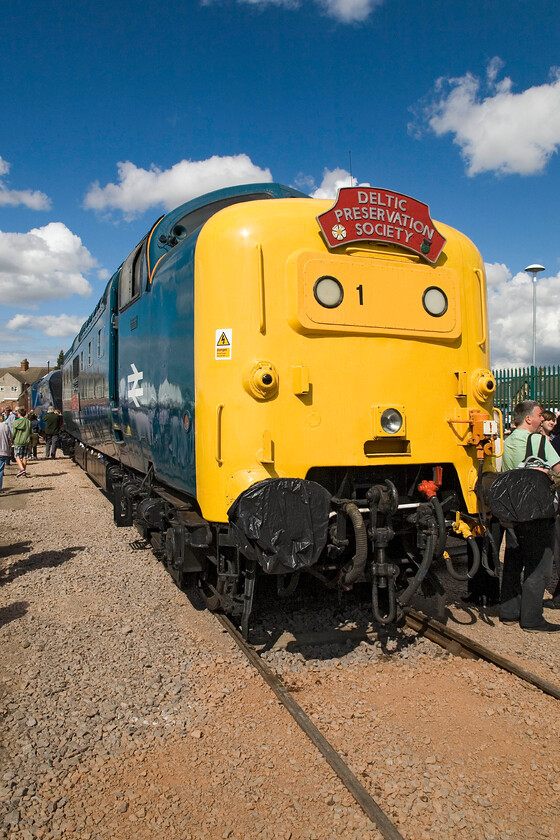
(44, 393)
(128, 391)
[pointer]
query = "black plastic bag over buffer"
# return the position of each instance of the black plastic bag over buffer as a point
(282, 523)
(523, 494)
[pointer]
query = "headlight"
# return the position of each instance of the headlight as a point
(435, 301)
(391, 421)
(328, 292)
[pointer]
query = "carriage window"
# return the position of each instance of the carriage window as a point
(89, 353)
(130, 279)
(99, 344)
(75, 366)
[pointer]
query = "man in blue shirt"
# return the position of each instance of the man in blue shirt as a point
(528, 555)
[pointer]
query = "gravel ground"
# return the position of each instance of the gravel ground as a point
(128, 713)
(537, 652)
(125, 712)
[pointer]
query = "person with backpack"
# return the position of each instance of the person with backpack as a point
(21, 431)
(529, 544)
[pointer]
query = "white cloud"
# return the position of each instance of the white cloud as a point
(48, 262)
(14, 198)
(332, 181)
(510, 317)
(350, 11)
(503, 132)
(55, 326)
(345, 11)
(139, 189)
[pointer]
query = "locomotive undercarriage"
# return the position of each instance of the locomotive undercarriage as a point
(378, 538)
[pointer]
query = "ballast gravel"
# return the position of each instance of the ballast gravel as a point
(127, 712)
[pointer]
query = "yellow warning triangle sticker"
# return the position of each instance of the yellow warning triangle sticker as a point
(223, 341)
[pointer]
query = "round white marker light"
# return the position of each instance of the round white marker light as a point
(328, 292)
(435, 301)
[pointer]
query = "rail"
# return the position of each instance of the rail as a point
(368, 805)
(461, 645)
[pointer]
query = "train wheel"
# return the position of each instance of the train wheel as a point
(122, 509)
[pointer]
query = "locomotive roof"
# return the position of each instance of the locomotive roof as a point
(161, 233)
(164, 235)
(274, 190)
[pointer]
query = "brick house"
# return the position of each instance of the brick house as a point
(14, 382)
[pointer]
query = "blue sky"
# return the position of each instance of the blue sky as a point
(113, 113)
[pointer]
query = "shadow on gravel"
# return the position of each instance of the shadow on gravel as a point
(469, 615)
(41, 560)
(12, 612)
(52, 475)
(21, 490)
(322, 624)
(14, 549)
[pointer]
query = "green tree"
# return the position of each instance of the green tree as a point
(60, 360)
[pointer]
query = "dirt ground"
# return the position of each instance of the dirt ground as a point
(126, 712)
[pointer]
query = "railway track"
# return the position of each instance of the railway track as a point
(460, 645)
(454, 642)
(369, 806)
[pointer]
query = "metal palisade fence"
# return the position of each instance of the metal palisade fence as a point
(530, 383)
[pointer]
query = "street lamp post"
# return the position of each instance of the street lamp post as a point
(534, 270)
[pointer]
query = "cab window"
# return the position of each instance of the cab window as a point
(130, 279)
(187, 225)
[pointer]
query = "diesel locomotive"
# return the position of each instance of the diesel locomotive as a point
(44, 393)
(275, 385)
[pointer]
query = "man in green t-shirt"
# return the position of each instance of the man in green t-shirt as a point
(515, 444)
(528, 556)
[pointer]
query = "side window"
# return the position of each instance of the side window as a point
(130, 279)
(75, 366)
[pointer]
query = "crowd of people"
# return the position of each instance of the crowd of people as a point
(19, 437)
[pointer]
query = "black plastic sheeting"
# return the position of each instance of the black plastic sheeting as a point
(522, 495)
(282, 523)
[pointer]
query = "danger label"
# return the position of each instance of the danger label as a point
(223, 344)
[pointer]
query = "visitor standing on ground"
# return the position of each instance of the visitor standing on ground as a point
(529, 545)
(21, 430)
(53, 424)
(549, 424)
(5, 449)
(35, 428)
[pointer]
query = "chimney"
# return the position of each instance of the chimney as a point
(25, 365)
